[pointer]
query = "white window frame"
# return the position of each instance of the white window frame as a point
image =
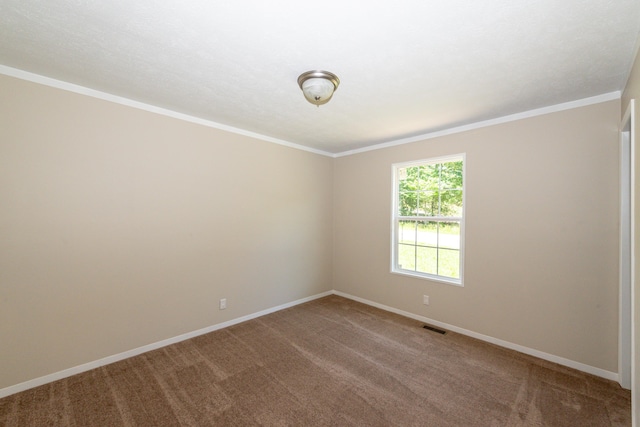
(396, 218)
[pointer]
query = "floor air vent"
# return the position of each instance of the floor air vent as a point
(434, 329)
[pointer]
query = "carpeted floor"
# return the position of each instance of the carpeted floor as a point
(330, 362)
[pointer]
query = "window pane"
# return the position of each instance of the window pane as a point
(451, 203)
(449, 263)
(410, 182)
(429, 178)
(407, 257)
(449, 235)
(427, 234)
(402, 174)
(419, 200)
(451, 175)
(407, 203)
(428, 203)
(427, 260)
(407, 232)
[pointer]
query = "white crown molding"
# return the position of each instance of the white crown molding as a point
(59, 84)
(70, 87)
(510, 118)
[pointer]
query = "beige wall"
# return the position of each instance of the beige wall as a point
(120, 228)
(541, 263)
(632, 91)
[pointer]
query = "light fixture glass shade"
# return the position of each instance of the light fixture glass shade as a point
(317, 91)
(318, 86)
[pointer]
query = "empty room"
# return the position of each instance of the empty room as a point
(319, 214)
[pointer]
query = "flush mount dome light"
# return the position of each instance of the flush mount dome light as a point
(318, 86)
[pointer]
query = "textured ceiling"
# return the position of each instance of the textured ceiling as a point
(407, 67)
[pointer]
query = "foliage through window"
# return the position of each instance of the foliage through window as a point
(428, 218)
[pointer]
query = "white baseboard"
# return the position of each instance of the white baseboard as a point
(154, 346)
(130, 353)
(526, 350)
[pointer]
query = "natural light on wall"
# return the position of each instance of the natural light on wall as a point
(428, 218)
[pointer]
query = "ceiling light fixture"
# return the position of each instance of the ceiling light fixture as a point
(318, 86)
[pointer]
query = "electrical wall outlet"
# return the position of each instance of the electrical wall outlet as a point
(223, 303)
(425, 299)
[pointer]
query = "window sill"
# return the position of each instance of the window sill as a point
(431, 277)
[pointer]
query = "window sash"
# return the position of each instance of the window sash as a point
(424, 250)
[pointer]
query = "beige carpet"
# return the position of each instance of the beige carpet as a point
(330, 362)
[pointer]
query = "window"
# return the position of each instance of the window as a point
(428, 218)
